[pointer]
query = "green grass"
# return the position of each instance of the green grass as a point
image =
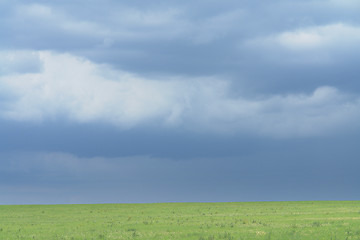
(326, 220)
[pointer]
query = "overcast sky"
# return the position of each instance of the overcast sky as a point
(159, 101)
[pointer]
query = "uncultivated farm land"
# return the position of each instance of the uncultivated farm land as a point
(199, 221)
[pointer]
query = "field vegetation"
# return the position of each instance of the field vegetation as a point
(326, 220)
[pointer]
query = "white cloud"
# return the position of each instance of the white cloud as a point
(124, 24)
(20, 61)
(35, 11)
(311, 45)
(328, 36)
(48, 17)
(346, 3)
(85, 92)
(79, 90)
(129, 23)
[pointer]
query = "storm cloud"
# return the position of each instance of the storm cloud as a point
(81, 91)
(100, 92)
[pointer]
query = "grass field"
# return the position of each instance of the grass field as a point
(199, 221)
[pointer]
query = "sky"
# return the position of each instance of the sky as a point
(179, 101)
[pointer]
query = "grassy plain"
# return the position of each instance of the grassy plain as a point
(326, 220)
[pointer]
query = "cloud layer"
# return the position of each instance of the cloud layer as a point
(317, 44)
(78, 90)
(195, 100)
(57, 177)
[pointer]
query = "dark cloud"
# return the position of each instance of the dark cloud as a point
(180, 38)
(306, 170)
(275, 119)
(91, 140)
